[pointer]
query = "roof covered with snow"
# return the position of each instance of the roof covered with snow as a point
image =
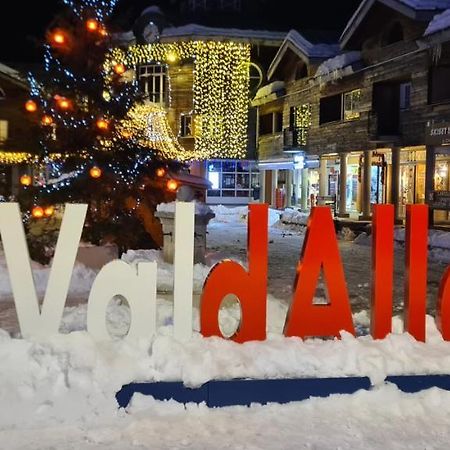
(305, 49)
(338, 63)
(152, 10)
(200, 31)
(440, 22)
(12, 74)
(269, 93)
(414, 9)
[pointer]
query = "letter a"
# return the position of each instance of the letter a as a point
(320, 250)
(250, 287)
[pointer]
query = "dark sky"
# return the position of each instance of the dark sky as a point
(23, 23)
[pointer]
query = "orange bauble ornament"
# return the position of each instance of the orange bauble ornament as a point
(47, 120)
(172, 186)
(102, 124)
(31, 106)
(58, 38)
(92, 25)
(119, 69)
(49, 211)
(95, 172)
(160, 172)
(25, 180)
(63, 103)
(37, 212)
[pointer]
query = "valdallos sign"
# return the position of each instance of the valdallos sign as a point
(305, 319)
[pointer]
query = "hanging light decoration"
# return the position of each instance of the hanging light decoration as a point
(46, 120)
(63, 103)
(37, 212)
(172, 186)
(49, 211)
(102, 124)
(95, 172)
(92, 25)
(58, 38)
(25, 180)
(119, 69)
(31, 106)
(160, 172)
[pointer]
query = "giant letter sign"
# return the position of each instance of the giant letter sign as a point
(320, 250)
(32, 322)
(416, 254)
(382, 270)
(249, 287)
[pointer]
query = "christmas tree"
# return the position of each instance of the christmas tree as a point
(93, 124)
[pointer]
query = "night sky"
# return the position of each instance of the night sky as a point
(29, 20)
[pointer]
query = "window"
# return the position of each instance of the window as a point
(330, 109)
(265, 124)
(278, 122)
(393, 34)
(3, 130)
(232, 179)
(405, 95)
(439, 91)
(186, 125)
(153, 81)
(352, 104)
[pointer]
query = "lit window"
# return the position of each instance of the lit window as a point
(3, 130)
(186, 125)
(352, 102)
(153, 82)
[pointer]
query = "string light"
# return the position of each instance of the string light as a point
(11, 158)
(220, 90)
(148, 126)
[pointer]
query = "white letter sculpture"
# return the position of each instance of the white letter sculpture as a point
(32, 321)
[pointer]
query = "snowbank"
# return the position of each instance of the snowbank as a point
(225, 214)
(165, 270)
(338, 63)
(438, 243)
(200, 208)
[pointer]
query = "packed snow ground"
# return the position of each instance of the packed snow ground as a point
(59, 392)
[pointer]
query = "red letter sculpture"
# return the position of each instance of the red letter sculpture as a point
(382, 270)
(416, 254)
(250, 287)
(320, 250)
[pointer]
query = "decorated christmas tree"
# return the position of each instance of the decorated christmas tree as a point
(95, 134)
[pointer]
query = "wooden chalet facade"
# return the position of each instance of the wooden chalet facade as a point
(355, 126)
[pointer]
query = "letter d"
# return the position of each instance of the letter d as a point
(250, 287)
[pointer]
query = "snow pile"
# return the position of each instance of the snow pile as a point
(72, 377)
(165, 270)
(271, 88)
(225, 214)
(201, 209)
(440, 22)
(294, 216)
(80, 285)
(336, 65)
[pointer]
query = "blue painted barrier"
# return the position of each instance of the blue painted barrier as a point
(246, 392)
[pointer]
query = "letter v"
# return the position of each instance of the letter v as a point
(32, 322)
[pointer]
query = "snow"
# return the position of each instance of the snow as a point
(201, 208)
(195, 30)
(426, 4)
(338, 63)
(269, 89)
(440, 22)
(58, 392)
(9, 71)
(152, 9)
(309, 49)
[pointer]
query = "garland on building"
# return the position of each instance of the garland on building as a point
(220, 91)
